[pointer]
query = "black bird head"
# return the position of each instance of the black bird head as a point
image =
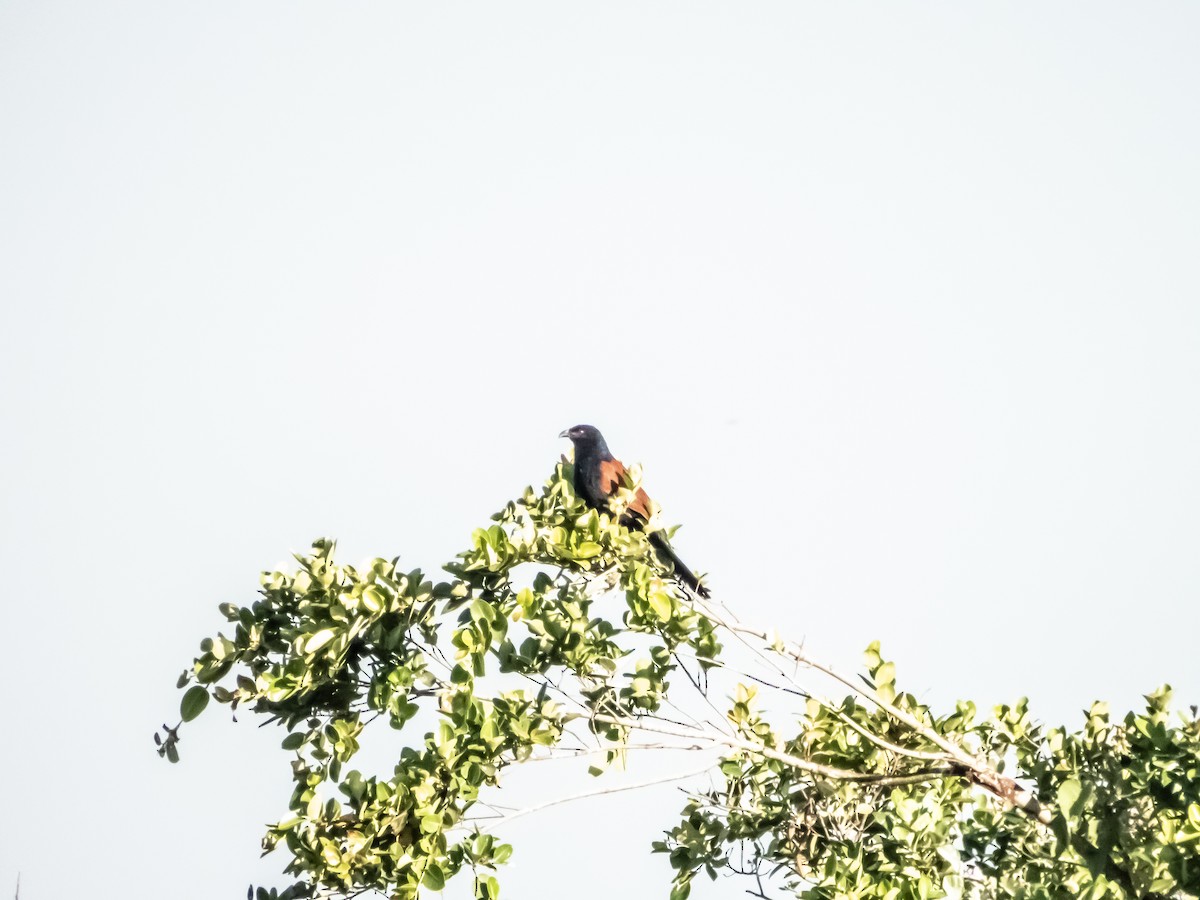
(587, 439)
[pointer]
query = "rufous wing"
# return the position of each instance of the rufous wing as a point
(612, 476)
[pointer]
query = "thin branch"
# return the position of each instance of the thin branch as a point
(972, 768)
(616, 789)
(797, 762)
(833, 708)
(611, 748)
(703, 692)
(888, 745)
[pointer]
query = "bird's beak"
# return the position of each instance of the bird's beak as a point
(566, 433)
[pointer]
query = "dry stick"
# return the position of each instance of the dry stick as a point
(829, 705)
(986, 777)
(610, 748)
(964, 763)
(888, 745)
(598, 793)
(703, 693)
(797, 762)
(845, 774)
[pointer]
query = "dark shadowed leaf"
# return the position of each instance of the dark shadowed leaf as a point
(193, 703)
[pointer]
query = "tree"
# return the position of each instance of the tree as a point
(520, 654)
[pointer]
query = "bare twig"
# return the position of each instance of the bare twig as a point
(833, 708)
(596, 751)
(797, 762)
(616, 789)
(888, 745)
(970, 767)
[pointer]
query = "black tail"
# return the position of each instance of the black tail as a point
(667, 555)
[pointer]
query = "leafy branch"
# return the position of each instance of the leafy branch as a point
(557, 634)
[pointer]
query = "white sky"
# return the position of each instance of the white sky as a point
(897, 304)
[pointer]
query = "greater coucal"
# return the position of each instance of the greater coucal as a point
(598, 476)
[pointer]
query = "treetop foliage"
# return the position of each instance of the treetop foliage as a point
(557, 633)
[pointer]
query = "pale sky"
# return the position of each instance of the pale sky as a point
(898, 305)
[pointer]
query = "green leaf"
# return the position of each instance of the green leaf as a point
(319, 640)
(871, 655)
(661, 604)
(885, 674)
(435, 878)
(1069, 793)
(193, 703)
(486, 887)
(1060, 830)
(372, 599)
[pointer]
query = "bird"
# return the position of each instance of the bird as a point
(599, 475)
